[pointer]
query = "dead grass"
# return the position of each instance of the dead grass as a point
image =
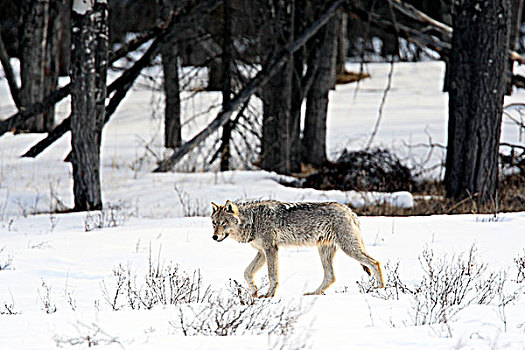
(429, 199)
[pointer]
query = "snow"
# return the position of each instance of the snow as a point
(52, 257)
(82, 6)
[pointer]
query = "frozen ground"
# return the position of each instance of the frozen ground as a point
(53, 261)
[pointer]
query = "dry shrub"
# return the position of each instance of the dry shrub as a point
(429, 199)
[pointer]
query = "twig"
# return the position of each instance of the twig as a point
(389, 82)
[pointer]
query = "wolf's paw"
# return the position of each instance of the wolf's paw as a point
(314, 293)
(267, 295)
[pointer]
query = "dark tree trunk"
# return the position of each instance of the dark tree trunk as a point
(516, 9)
(227, 61)
(314, 134)
(477, 86)
(35, 16)
(88, 93)
(65, 38)
(443, 11)
(52, 61)
(342, 41)
(277, 98)
(299, 60)
(215, 75)
(170, 64)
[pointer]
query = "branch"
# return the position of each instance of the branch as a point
(9, 74)
(421, 17)
(260, 79)
(36, 108)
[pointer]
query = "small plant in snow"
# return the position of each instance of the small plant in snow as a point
(89, 335)
(237, 313)
(45, 297)
(113, 216)
(111, 295)
(393, 288)
(447, 286)
(8, 308)
(5, 263)
(520, 264)
(191, 206)
(162, 285)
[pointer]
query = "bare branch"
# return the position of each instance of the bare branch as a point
(9, 74)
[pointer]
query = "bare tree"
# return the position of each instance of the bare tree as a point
(227, 62)
(170, 65)
(478, 62)
(88, 94)
(33, 38)
(277, 96)
(324, 61)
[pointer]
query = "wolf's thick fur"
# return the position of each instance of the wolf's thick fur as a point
(269, 224)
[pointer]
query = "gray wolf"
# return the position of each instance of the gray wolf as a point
(268, 224)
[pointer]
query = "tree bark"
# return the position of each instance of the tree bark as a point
(314, 134)
(478, 65)
(276, 145)
(516, 9)
(52, 61)
(170, 65)
(88, 94)
(342, 42)
(298, 93)
(227, 62)
(33, 40)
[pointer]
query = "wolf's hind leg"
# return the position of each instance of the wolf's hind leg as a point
(355, 248)
(327, 253)
(250, 271)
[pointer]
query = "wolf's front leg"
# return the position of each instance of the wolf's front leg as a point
(272, 260)
(254, 266)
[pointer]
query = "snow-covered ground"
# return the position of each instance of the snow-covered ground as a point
(53, 262)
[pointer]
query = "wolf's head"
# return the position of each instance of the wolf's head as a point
(225, 220)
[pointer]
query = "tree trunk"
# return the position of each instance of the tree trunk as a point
(88, 76)
(52, 61)
(65, 38)
(170, 64)
(33, 40)
(214, 75)
(342, 42)
(277, 98)
(314, 134)
(298, 94)
(477, 86)
(227, 61)
(516, 8)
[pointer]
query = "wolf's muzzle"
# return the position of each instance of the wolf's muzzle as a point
(216, 238)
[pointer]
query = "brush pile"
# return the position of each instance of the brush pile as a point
(372, 170)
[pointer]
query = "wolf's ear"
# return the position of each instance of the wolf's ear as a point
(214, 207)
(231, 207)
